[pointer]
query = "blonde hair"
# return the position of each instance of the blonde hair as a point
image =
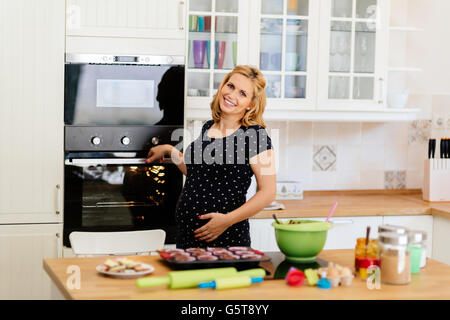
(258, 104)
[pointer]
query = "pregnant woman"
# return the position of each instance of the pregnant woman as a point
(232, 147)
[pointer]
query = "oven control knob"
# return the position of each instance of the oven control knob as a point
(155, 140)
(95, 141)
(125, 141)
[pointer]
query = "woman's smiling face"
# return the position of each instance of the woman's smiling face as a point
(236, 95)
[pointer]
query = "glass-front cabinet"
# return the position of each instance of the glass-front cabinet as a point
(316, 55)
(217, 37)
(353, 54)
(286, 38)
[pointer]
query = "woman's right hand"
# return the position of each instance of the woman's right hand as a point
(157, 153)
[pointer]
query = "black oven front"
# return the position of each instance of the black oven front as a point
(117, 190)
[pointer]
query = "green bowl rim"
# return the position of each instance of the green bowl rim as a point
(316, 226)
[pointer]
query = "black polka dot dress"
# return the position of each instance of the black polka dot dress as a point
(218, 176)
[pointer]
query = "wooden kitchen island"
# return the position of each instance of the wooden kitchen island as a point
(433, 282)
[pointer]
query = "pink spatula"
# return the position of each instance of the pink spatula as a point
(332, 211)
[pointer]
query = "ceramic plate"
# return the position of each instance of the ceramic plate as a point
(125, 274)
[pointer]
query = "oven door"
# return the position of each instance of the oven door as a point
(123, 94)
(120, 195)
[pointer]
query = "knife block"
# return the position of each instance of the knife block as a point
(436, 185)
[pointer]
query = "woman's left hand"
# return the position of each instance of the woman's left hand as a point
(215, 227)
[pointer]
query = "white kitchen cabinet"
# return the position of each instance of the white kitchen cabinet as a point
(22, 250)
(441, 239)
(126, 26)
(415, 222)
(323, 60)
(353, 54)
(31, 110)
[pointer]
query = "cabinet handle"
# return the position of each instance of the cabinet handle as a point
(181, 15)
(58, 199)
(58, 245)
(380, 99)
(347, 221)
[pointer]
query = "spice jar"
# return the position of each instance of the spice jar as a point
(417, 249)
(361, 252)
(395, 262)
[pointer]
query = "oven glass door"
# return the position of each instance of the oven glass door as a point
(121, 94)
(113, 197)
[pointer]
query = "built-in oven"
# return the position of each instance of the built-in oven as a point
(116, 109)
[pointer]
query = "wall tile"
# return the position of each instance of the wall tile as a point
(300, 159)
(371, 179)
(395, 133)
(419, 131)
(372, 157)
(349, 133)
(417, 153)
(324, 158)
(395, 179)
(324, 133)
(414, 179)
(396, 157)
(348, 180)
(348, 158)
(323, 180)
(300, 133)
(372, 133)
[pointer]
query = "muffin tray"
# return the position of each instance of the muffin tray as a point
(197, 258)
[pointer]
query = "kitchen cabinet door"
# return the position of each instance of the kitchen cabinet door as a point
(31, 110)
(346, 230)
(217, 42)
(262, 235)
(148, 19)
(441, 239)
(353, 54)
(284, 42)
(420, 223)
(23, 248)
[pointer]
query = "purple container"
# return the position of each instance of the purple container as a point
(199, 53)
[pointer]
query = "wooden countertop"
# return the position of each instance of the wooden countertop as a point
(433, 282)
(359, 203)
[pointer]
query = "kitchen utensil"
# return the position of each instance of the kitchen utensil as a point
(244, 258)
(331, 211)
(431, 148)
(275, 217)
(191, 278)
(301, 242)
(367, 239)
(231, 282)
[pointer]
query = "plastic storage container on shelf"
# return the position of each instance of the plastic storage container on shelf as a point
(395, 261)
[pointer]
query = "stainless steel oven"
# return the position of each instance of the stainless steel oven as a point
(105, 89)
(117, 108)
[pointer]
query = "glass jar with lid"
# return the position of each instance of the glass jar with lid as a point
(395, 258)
(418, 249)
(392, 228)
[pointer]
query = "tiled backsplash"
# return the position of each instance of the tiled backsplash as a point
(354, 155)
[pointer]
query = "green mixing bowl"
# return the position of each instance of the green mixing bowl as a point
(301, 242)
